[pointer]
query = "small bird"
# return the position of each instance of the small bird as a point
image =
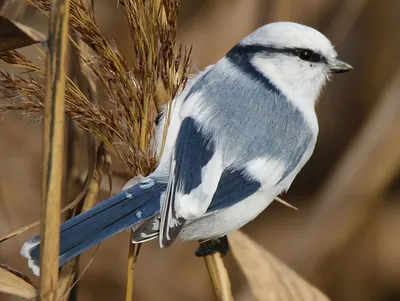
(239, 134)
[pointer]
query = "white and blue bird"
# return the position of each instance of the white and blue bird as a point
(240, 132)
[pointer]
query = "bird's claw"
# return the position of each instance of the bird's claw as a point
(212, 246)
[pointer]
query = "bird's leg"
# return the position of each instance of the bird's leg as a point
(212, 246)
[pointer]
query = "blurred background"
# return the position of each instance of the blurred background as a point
(345, 237)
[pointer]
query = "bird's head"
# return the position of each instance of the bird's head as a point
(297, 59)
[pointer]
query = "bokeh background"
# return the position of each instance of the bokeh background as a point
(345, 238)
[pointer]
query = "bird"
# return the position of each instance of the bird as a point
(239, 133)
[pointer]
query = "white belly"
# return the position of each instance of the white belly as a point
(227, 220)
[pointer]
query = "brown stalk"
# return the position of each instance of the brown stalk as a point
(219, 277)
(53, 149)
(133, 254)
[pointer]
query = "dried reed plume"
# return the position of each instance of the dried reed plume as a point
(125, 120)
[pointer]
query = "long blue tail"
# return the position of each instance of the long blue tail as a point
(110, 217)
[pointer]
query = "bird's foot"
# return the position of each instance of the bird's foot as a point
(212, 246)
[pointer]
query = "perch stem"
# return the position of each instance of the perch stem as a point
(219, 276)
(53, 149)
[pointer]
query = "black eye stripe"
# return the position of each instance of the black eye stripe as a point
(302, 53)
(308, 55)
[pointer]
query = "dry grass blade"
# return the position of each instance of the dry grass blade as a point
(219, 277)
(15, 35)
(17, 59)
(286, 204)
(53, 149)
(19, 231)
(270, 279)
(15, 283)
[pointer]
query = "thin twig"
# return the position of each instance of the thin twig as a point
(133, 254)
(63, 297)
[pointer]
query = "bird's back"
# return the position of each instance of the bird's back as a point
(252, 118)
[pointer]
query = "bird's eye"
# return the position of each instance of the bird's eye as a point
(309, 55)
(305, 54)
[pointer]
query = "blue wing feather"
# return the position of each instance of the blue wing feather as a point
(192, 152)
(233, 187)
(104, 220)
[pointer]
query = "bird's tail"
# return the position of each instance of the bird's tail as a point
(126, 209)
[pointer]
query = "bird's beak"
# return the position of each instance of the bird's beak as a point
(338, 66)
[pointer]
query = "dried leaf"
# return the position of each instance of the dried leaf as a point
(15, 35)
(15, 283)
(270, 279)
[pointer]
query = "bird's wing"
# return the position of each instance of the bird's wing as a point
(238, 183)
(196, 167)
(212, 136)
(161, 118)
